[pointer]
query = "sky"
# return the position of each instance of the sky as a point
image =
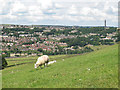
(59, 12)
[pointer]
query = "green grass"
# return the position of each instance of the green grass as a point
(13, 61)
(99, 47)
(1, 79)
(71, 73)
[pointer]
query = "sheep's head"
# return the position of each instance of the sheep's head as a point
(36, 65)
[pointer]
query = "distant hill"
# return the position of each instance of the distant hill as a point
(67, 26)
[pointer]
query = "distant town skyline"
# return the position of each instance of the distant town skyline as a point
(59, 12)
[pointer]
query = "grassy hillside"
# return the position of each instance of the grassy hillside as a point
(97, 69)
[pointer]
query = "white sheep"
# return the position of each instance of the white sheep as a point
(42, 61)
(51, 62)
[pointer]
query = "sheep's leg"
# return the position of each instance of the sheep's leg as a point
(44, 65)
(40, 67)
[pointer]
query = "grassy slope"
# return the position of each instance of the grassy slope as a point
(29, 59)
(72, 72)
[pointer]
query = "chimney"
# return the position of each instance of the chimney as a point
(105, 25)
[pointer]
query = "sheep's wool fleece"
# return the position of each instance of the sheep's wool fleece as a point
(42, 59)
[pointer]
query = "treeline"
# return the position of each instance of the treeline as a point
(58, 51)
(85, 30)
(98, 30)
(83, 41)
(30, 42)
(69, 51)
(81, 30)
(26, 30)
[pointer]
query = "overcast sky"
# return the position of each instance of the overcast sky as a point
(59, 12)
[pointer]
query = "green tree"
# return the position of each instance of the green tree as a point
(40, 50)
(4, 62)
(75, 47)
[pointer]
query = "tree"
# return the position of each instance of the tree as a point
(9, 47)
(16, 50)
(4, 62)
(75, 47)
(118, 37)
(40, 50)
(20, 52)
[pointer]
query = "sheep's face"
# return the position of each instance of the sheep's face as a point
(36, 65)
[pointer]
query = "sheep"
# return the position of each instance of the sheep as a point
(42, 61)
(52, 62)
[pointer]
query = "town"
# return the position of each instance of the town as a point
(24, 40)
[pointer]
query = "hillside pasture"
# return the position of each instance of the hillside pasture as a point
(98, 69)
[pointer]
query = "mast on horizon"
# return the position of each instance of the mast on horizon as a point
(105, 25)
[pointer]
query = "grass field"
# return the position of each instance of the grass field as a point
(14, 61)
(98, 69)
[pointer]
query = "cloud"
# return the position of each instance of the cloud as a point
(18, 7)
(73, 10)
(45, 4)
(61, 12)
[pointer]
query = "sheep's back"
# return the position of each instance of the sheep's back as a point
(45, 57)
(40, 61)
